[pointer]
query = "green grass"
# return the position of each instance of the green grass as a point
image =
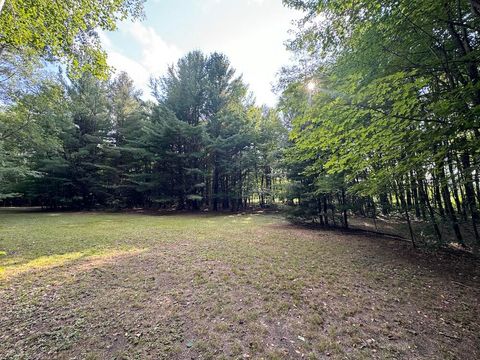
(101, 286)
(30, 240)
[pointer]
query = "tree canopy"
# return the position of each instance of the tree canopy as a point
(66, 30)
(395, 108)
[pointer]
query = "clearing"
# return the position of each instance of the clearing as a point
(137, 286)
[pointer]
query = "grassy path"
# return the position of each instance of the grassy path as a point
(127, 286)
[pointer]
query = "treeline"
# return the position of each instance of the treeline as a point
(382, 110)
(81, 142)
(384, 106)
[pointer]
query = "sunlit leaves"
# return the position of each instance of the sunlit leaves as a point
(65, 29)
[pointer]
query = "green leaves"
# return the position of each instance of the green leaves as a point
(398, 99)
(65, 30)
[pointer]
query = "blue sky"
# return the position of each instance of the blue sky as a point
(250, 32)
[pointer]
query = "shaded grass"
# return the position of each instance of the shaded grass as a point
(228, 286)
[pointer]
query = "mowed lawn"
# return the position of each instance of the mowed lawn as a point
(137, 286)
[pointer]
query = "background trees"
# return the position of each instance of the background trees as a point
(202, 144)
(206, 136)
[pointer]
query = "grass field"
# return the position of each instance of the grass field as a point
(136, 286)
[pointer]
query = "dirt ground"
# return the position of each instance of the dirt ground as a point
(236, 287)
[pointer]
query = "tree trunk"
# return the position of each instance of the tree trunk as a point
(409, 195)
(344, 203)
(268, 184)
(413, 186)
(319, 209)
(407, 216)
(395, 193)
(426, 200)
(448, 204)
(262, 193)
(226, 194)
(470, 195)
(477, 186)
(437, 196)
(384, 203)
(325, 210)
(374, 208)
(455, 189)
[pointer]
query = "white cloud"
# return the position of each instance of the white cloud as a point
(250, 32)
(150, 54)
(156, 54)
(259, 56)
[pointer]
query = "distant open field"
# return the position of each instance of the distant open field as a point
(137, 286)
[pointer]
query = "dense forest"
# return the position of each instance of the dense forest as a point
(378, 118)
(81, 142)
(384, 111)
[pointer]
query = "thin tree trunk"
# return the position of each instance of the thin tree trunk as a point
(426, 200)
(344, 203)
(407, 216)
(268, 184)
(409, 195)
(384, 203)
(325, 210)
(477, 186)
(333, 213)
(374, 207)
(413, 186)
(437, 195)
(470, 195)
(397, 201)
(262, 194)
(320, 216)
(455, 189)
(448, 204)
